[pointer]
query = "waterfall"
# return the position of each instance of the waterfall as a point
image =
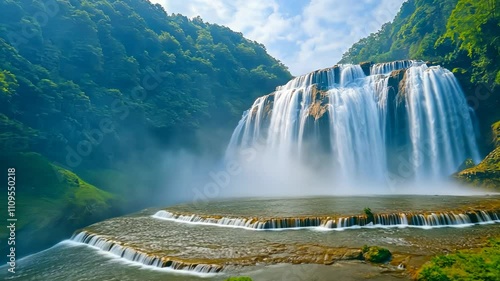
(404, 119)
(425, 220)
(387, 68)
(137, 256)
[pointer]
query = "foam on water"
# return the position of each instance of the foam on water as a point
(131, 256)
(400, 220)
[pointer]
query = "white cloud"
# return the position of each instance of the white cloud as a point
(313, 37)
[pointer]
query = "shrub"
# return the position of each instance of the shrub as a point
(369, 214)
(376, 254)
(239, 278)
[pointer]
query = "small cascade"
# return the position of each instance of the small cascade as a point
(420, 220)
(133, 255)
(350, 73)
(388, 67)
(248, 223)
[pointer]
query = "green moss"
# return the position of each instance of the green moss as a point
(496, 133)
(467, 164)
(376, 254)
(110, 180)
(487, 173)
(465, 265)
(242, 278)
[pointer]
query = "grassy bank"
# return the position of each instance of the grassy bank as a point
(476, 264)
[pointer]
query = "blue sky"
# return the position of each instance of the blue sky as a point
(304, 34)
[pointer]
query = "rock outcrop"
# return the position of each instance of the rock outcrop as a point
(366, 66)
(487, 173)
(320, 105)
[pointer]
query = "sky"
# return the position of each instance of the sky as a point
(303, 34)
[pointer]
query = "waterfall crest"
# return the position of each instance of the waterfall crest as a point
(425, 220)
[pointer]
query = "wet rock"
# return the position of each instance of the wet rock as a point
(328, 259)
(432, 63)
(366, 66)
(320, 105)
(353, 254)
(397, 84)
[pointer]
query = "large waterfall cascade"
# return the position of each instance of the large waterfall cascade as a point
(402, 118)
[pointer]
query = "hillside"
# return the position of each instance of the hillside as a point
(50, 202)
(487, 173)
(70, 68)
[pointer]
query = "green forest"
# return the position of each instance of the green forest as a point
(88, 87)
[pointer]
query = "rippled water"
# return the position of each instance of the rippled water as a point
(325, 206)
(257, 250)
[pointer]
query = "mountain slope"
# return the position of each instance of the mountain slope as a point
(72, 64)
(411, 35)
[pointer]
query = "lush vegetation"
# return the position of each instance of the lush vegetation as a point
(461, 35)
(487, 173)
(444, 31)
(376, 254)
(51, 202)
(369, 214)
(99, 87)
(242, 278)
(75, 70)
(482, 264)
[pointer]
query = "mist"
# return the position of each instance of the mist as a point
(190, 178)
